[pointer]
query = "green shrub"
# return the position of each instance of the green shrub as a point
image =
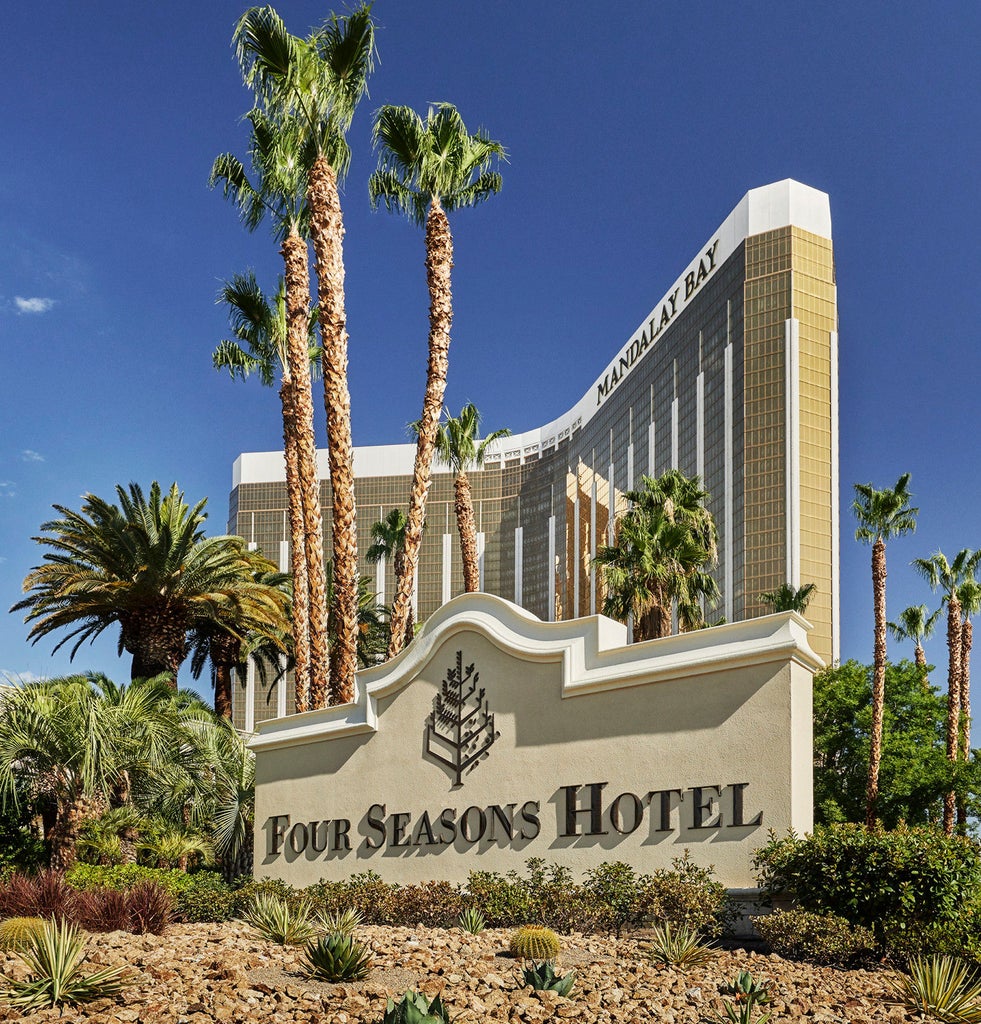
(248, 889)
(206, 898)
(687, 896)
(503, 899)
(913, 887)
(819, 938)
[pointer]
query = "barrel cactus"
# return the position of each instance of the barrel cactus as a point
(16, 932)
(535, 942)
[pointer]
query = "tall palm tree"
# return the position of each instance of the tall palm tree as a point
(281, 162)
(261, 326)
(916, 624)
(969, 595)
(664, 543)
(458, 446)
(948, 576)
(388, 537)
(372, 628)
(144, 565)
(316, 84)
(787, 598)
(427, 169)
(882, 515)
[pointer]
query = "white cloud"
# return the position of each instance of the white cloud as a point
(8, 489)
(33, 305)
(29, 455)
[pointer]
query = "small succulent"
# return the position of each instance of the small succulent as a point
(16, 932)
(278, 920)
(543, 978)
(747, 994)
(54, 956)
(473, 921)
(415, 1008)
(678, 946)
(535, 942)
(336, 957)
(341, 922)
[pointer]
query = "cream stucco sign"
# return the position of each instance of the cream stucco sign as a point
(497, 737)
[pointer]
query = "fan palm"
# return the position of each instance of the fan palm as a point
(143, 565)
(949, 576)
(283, 335)
(427, 169)
(388, 541)
(916, 624)
(969, 596)
(459, 447)
(314, 85)
(261, 326)
(663, 545)
(787, 598)
(882, 515)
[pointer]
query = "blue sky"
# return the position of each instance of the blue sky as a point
(630, 135)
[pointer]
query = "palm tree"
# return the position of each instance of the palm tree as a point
(261, 326)
(881, 515)
(388, 536)
(948, 577)
(372, 633)
(787, 598)
(427, 169)
(663, 544)
(315, 84)
(458, 446)
(77, 742)
(144, 565)
(969, 595)
(917, 625)
(281, 164)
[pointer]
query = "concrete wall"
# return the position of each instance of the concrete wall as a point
(595, 751)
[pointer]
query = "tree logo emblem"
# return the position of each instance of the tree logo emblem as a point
(460, 728)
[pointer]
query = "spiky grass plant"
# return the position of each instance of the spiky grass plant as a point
(941, 987)
(340, 922)
(747, 995)
(679, 946)
(336, 957)
(415, 1008)
(542, 978)
(535, 942)
(54, 957)
(279, 920)
(16, 932)
(472, 920)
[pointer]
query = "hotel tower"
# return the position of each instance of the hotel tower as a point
(732, 376)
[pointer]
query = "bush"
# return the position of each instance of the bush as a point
(912, 887)
(819, 938)
(687, 896)
(206, 898)
(43, 895)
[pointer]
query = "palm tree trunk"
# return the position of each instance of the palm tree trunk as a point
(398, 566)
(298, 558)
(63, 837)
(467, 525)
(439, 263)
(878, 678)
(327, 233)
(157, 639)
(953, 700)
(967, 637)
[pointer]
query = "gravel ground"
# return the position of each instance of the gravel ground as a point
(197, 974)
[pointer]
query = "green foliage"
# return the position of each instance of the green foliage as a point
(337, 957)
(747, 995)
(205, 898)
(678, 946)
(20, 847)
(15, 932)
(535, 942)
(941, 988)
(472, 920)
(340, 922)
(820, 938)
(909, 886)
(686, 895)
(54, 956)
(914, 773)
(281, 921)
(415, 1008)
(542, 978)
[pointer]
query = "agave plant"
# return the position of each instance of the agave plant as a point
(941, 987)
(678, 946)
(415, 1008)
(340, 922)
(337, 958)
(473, 921)
(54, 956)
(542, 978)
(748, 994)
(278, 920)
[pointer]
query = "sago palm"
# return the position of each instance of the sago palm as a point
(388, 542)
(427, 169)
(948, 577)
(315, 84)
(280, 160)
(459, 446)
(882, 515)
